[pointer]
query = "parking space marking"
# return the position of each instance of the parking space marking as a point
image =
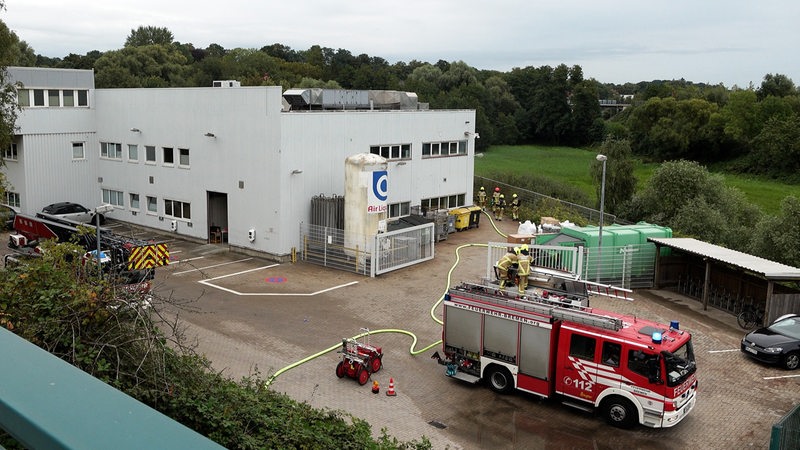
(782, 376)
(209, 283)
(724, 351)
(212, 266)
(184, 260)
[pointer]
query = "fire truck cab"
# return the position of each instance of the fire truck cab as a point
(629, 369)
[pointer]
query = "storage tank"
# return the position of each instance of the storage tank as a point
(365, 194)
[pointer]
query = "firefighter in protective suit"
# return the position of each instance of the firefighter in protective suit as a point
(509, 259)
(496, 201)
(515, 207)
(482, 198)
(501, 207)
(524, 268)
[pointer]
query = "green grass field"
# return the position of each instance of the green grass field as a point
(571, 165)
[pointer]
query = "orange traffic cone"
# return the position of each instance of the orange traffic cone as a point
(375, 387)
(391, 391)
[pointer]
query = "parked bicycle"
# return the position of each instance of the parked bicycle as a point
(750, 317)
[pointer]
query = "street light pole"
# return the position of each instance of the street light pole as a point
(104, 208)
(603, 159)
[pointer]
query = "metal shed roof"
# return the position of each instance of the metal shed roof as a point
(768, 269)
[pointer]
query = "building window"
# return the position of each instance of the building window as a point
(10, 153)
(53, 97)
(395, 151)
(83, 98)
(178, 210)
(183, 157)
(446, 148)
(134, 201)
(111, 150)
(24, 97)
(12, 199)
(38, 97)
(149, 153)
(69, 98)
(169, 155)
(152, 205)
(78, 151)
(113, 197)
(399, 209)
(448, 202)
(133, 152)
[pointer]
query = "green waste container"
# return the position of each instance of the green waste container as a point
(461, 218)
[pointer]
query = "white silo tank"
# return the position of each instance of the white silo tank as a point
(365, 195)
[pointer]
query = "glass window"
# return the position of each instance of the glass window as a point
(78, 152)
(53, 97)
(10, 153)
(426, 149)
(149, 153)
(611, 354)
(405, 151)
(12, 199)
(113, 197)
(152, 205)
(134, 201)
(169, 155)
(399, 209)
(183, 156)
(38, 97)
(83, 98)
(111, 150)
(133, 152)
(24, 97)
(179, 210)
(582, 347)
(69, 99)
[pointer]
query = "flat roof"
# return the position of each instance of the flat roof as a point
(768, 269)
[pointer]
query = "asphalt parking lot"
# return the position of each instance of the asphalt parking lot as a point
(247, 314)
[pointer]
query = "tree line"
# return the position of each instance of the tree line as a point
(748, 129)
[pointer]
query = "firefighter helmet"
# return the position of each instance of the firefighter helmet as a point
(516, 250)
(515, 195)
(481, 187)
(502, 195)
(497, 189)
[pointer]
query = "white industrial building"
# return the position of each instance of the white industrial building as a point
(243, 160)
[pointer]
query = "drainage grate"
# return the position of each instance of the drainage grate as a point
(439, 425)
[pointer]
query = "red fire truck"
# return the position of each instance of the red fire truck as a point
(631, 370)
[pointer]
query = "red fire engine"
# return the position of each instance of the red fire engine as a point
(631, 370)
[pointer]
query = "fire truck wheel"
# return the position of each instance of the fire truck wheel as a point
(362, 375)
(340, 369)
(376, 364)
(500, 380)
(619, 412)
(791, 361)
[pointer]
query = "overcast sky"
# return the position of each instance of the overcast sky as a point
(734, 42)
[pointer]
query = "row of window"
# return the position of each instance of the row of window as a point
(172, 208)
(447, 202)
(429, 149)
(113, 150)
(54, 98)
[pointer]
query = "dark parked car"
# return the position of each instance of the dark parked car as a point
(72, 211)
(7, 214)
(778, 343)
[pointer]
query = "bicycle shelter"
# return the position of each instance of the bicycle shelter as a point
(725, 278)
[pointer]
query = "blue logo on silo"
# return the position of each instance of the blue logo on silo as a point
(380, 184)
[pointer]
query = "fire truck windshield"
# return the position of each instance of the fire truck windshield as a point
(679, 364)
